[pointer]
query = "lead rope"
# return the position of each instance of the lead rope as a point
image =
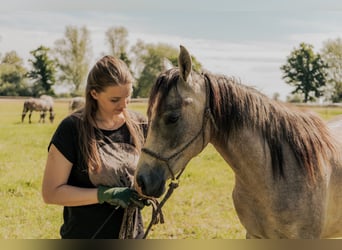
(129, 222)
(128, 229)
(157, 214)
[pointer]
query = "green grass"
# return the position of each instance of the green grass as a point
(327, 113)
(22, 159)
(200, 208)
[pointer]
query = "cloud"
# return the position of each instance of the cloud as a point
(250, 45)
(157, 5)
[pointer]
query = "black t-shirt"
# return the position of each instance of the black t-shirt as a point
(119, 159)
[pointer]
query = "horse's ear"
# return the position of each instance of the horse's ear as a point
(184, 63)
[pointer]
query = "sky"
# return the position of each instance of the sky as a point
(247, 39)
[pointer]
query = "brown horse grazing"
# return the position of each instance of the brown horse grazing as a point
(287, 164)
(43, 104)
(76, 103)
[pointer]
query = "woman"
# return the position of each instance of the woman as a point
(92, 157)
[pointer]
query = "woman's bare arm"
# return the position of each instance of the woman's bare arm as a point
(55, 189)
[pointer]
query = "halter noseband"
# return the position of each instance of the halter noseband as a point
(206, 116)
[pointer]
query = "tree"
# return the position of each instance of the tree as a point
(73, 55)
(332, 55)
(306, 71)
(12, 76)
(117, 40)
(150, 61)
(276, 96)
(152, 58)
(43, 72)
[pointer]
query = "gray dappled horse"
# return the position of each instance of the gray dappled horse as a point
(287, 163)
(43, 105)
(76, 103)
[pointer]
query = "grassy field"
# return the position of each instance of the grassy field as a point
(201, 208)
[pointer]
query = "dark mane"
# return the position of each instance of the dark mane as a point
(235, 106)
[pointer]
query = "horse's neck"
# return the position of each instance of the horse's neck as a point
(246, 154)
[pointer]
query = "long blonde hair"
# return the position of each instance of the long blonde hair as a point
(108, 71)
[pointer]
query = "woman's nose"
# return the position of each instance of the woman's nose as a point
(124, 102)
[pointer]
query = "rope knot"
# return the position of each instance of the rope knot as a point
(174, 184)
(157, 214)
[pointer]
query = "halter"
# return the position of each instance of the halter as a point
(157, 215)
(206, 117)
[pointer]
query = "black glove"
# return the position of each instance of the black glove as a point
(119, 196)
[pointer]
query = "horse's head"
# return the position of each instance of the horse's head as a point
(177, 113)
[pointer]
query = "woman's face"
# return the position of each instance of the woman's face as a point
(113, 100)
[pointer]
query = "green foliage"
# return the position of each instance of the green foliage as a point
(12, 76)
(73, 55)
(295, 98)
(70, 64)
(337, 95)
(43, 72)
(153, 59)
(116, 38)
(306, 71)
(332, 55)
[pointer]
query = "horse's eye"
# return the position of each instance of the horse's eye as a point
(172, 118)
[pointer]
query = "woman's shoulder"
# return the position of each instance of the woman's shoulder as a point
(70, 121)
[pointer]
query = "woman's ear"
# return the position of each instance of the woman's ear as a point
(93, 93)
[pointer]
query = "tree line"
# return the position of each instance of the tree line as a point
(66, 65)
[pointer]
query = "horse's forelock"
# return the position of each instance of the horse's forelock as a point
(162, 87)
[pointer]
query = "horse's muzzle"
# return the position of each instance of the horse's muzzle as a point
(151, 184)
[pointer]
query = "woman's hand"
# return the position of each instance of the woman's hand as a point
(119, 196)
